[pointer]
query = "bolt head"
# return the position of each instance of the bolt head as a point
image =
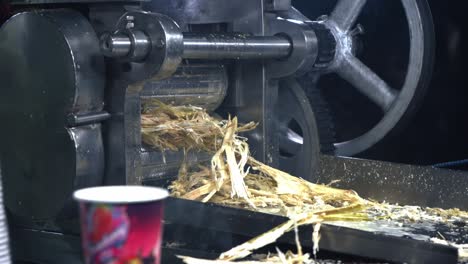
(160, 43)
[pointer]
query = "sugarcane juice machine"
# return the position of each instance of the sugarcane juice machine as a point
(74, 76)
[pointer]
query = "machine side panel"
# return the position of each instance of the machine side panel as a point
(50, 68)
(252, 95)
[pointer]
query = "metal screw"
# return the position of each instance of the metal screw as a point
(160, 43)
(130, 22)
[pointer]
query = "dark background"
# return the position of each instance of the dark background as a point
(438, 132)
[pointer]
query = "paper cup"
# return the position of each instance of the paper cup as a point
(121, 224)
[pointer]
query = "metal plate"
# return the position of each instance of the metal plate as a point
(199, 11)
(335, 239)
(50, 67)
(397, 183)
(210, 229)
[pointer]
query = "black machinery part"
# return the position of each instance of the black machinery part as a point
(323, 115)
(206, 230)
(4, 239)
(326, 45)
(397, 106)
(299, 144)
(47, 151)
(405, 103)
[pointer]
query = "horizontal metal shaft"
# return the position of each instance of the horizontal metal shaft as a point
(117, 45)
(201, 46)
(89, 118)
(235, 46)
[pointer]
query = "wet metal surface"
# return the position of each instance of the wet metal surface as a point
(397, 183)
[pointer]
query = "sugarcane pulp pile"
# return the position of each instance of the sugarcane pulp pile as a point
(234, 178)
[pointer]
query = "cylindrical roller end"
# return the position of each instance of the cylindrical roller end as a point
(132, 45)
(115, 45)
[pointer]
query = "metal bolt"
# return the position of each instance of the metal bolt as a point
(160, 43)
(130, 22)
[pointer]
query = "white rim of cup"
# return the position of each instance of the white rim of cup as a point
(125, 194)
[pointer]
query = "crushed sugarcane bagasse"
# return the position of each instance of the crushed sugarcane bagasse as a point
(234, 178)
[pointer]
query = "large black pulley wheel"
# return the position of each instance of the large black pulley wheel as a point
(396, 101)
